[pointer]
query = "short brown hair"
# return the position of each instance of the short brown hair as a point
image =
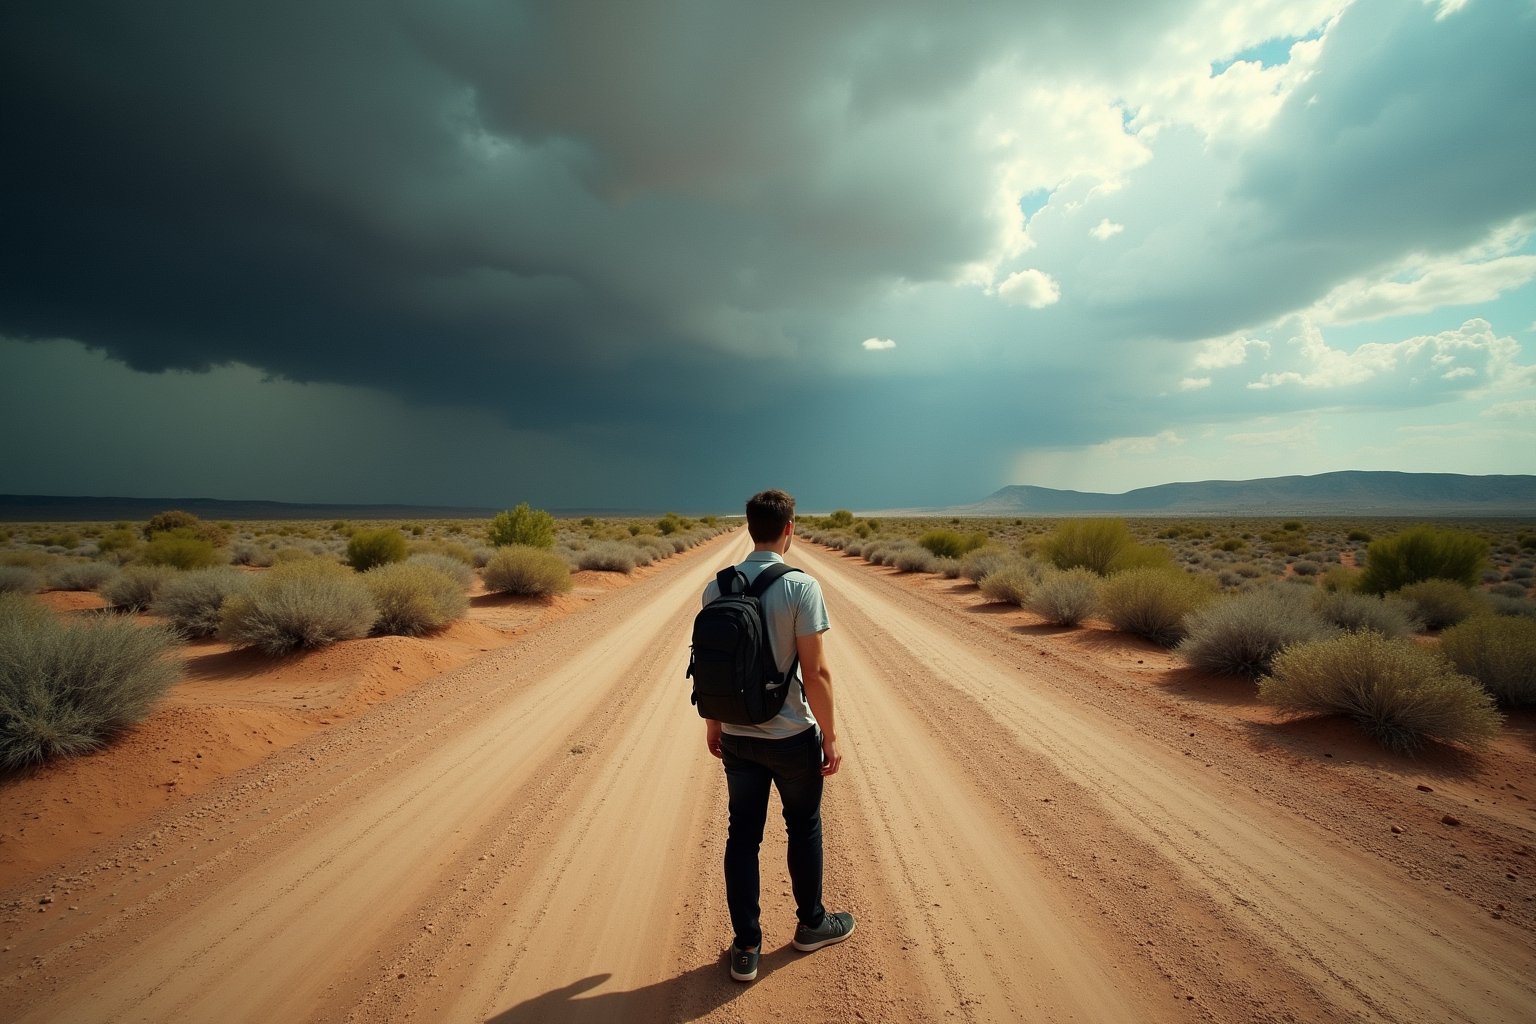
(768, 512)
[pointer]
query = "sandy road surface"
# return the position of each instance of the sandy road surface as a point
(1022, 833)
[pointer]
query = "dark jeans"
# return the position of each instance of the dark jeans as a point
(794, 766)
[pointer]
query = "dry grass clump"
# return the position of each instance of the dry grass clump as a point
(1152, 602)
(1388, 616)
(607, 556)
(456, 569)
(309, 603)
(414, 598)
(1241, 634)
(1012, 582)
(529, 571)
(1439, 603)
(136, 587)
(194, 601)
(978, 564)
(1064, 598)
(80, 575)
(914, 559)
(19, 579)
(66, 687)
(1497, 651)
(1397, 691)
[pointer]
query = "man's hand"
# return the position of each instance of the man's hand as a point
(831, 760)
(712, 736)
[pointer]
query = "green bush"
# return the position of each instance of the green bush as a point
(840, 518)
(530, 571)
(532, 528)
(120, 543)
(369, 548)
(66, 687)
(1064, 597)
(308, 603)
(135, 588)
(187, 525)
(1439, 603)
(179, 550)
(414, 598)
(1423, 553)
(1152, 602)
(1340, 579)
(1497, 651)
(1397, 691)
(1240, 635)
(1389, 616)
(1091, 544)
(80, 575)
(18, 579)
(194, 601)
(950, 544)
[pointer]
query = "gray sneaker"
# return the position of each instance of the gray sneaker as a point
(833, 928)
(744, 963)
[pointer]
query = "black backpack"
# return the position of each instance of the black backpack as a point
(734, 676)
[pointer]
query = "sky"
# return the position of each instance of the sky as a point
(661, 255)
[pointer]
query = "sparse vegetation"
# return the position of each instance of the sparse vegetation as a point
(1012, 582)
(1064, 597)
(80, 575)
(369, 548)
(65, 688)
(136, 587)
(309, 603)
(1499, 652)
(1438, 603)
(1423, 553)
(1153, 603)
(950, 543)
(456, 569)
(179, 550)
(1397, 691)
(1389, 616)
(529, 571)
(18, 579)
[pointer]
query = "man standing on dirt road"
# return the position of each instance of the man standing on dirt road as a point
(794, 751)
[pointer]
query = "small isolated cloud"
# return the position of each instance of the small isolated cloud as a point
(1219, 353)
(878, 344)
(1146, 445)
(1523, 410)
(1106, 229)
(1194, 383)
(1033, 288)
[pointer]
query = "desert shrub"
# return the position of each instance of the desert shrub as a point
(1389, 616)
(1306, 567)
(1340, 579)
(119, 543)
(414, 598)
(193, 601)
(455, 569)
(248, 553)
(980, 563)
(529, 527)
(1011, 583)
(854, 548)
(950, 543)
(18, 579)
(1498, 652)
(80, 575)
(30, 559)
(1091, 544)
(1398, 692)
(1513, 607)
(308, 603)
(179, 550)
(136, 587)
(1241, 634)
(1152, 602)
(1439, 603)
(520, 569)
(1507, 590)
(369, 548)
(66, 687)
(1064, 597)
(187, 525)
(607, 556)
(1423, 553)
(914, 559)
(949, 568)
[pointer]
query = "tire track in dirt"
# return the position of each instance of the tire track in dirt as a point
(1277, 896)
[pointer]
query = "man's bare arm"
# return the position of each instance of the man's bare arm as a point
(818, 694)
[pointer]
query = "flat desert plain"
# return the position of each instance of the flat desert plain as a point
(517, 821)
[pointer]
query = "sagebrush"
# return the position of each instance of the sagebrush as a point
(1240, 635)
(528, 571)
(295, 605)
(414, 598)
(1499, 652)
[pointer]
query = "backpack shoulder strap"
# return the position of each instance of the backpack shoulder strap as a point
(731, 580)
(768, 577)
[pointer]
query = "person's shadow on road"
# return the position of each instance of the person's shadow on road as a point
(687, 997)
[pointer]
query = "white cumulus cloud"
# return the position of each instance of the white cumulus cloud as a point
(1033, 288)
(878, 344)
(1106, 229)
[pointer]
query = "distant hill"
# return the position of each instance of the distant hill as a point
(31, 508)
(1350, 493)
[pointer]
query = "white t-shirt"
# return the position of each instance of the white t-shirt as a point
(794, 607)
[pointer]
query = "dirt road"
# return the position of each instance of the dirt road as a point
(1026, 828)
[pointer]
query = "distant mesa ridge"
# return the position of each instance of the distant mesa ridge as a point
(1348, 493)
